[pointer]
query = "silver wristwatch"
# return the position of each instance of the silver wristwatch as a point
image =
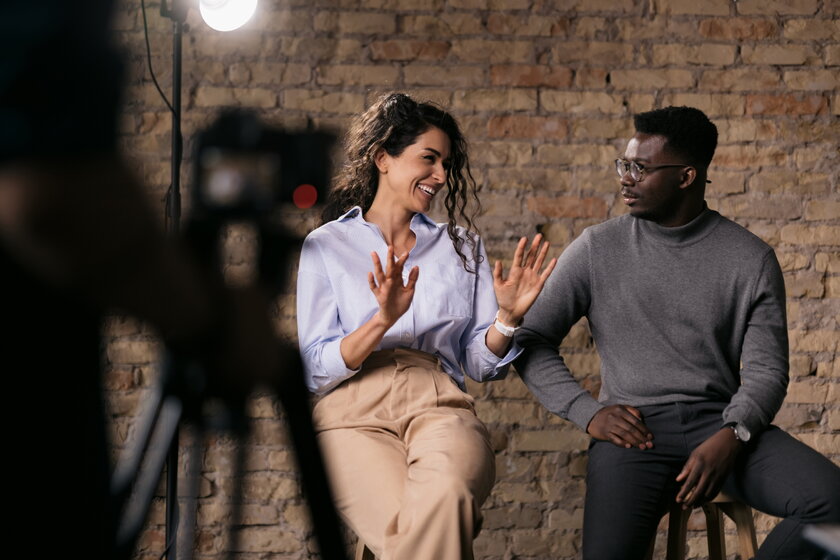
(742, 434)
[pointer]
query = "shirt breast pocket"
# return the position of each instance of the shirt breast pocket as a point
(448, 289)
(355, 300)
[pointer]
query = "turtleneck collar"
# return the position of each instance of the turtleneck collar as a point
(692, 232)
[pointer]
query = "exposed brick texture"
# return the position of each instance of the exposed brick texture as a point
(545, 91)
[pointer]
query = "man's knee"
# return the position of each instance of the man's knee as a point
(822, 507)
(796, 480)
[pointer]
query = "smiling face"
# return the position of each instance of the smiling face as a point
(662, 195)
(411, 180)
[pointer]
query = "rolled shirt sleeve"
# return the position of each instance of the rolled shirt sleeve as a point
(479, 361)
(319, 330)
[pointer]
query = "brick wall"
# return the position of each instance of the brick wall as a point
(545, 91)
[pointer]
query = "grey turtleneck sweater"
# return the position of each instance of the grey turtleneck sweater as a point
(683, 314)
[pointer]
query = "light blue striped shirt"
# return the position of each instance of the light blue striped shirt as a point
(448, 317)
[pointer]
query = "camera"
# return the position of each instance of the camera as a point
(245, 168)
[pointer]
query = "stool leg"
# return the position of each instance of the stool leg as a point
(714, 532)
(741, 514)
(677, 525)
(363, 552)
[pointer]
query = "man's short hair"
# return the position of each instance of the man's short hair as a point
(688, 131)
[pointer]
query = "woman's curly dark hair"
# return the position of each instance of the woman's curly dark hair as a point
(393, 123)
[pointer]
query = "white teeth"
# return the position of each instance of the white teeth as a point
(426, 190)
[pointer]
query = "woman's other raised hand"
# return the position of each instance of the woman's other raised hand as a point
(517, 292)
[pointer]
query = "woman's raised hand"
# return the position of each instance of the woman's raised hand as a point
(393, 297)
(516, 293)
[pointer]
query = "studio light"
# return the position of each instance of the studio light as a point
(226, 15)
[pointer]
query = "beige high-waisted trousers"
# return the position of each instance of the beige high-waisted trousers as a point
(409, 461)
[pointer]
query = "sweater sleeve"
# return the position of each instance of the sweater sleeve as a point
(562, 302)
(764, 354)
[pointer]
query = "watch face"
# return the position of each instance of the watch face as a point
(742, 432)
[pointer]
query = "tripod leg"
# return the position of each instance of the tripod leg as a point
(295, 400)
(136, 510)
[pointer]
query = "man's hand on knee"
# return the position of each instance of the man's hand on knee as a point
(707, 467)
(621, 425)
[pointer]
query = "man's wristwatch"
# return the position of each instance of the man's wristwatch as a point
(742, 434)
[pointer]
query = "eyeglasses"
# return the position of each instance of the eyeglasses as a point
(638, 172)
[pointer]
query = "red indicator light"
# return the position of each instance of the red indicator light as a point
(305, 196)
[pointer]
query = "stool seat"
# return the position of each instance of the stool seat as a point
(739, 512)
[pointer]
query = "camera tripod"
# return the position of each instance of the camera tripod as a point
(180, 397)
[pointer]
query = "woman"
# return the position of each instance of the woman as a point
(409, 461)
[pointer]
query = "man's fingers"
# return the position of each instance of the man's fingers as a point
(630, 435)
(685, 492)
(712, 489)
(633, 411)
(622, 426)
(630, 419)
(689, 476)
(698, 492)
(620, 442)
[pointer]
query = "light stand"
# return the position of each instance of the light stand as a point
(178, 15)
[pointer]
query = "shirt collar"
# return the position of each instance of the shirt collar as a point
(421, 218)
(356, 213)
(352, 213)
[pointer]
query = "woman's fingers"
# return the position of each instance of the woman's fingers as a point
(519, 253)
(497, 271)
(400, 262)
(393, 271)
(532, 251)
(547, 272)
(533, 260)
(389, 264)
(379, 275)
(538, 262)
(412, 278)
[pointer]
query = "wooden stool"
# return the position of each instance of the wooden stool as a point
(363, 552)
(739, 512)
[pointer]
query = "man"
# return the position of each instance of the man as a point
(687, 310)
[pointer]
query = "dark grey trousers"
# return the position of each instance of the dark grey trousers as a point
(629, 490)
